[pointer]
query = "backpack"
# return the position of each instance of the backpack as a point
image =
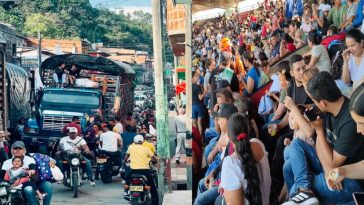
(265, 105)
(42, 166)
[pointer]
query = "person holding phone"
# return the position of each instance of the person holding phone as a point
(351, 171)
(353, 58)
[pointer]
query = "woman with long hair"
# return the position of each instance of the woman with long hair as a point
(251, 82)
(245, 176)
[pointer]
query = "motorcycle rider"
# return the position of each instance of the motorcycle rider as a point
(140, 156)
(18, 150)
(74, 142)
(109, 144)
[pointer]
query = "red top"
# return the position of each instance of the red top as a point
(18, 181)
(264, 30)
(71, 124)
(290, 47)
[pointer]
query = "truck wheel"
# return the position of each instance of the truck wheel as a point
(75, 185)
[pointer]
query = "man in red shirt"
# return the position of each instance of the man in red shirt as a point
(75, 124)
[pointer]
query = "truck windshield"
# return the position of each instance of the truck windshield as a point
(74, 99)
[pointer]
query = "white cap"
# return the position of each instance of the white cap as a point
(72, 129)
(138, 139)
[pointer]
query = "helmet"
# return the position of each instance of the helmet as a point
(138, 139)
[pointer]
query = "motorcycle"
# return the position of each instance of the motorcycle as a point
(11, 195)
(139, 190)
(73, 174)
(107, 165)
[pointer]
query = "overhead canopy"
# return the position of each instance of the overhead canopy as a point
(202, 5)
(87, 62)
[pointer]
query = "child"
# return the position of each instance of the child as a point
(298, 132)
(19, 176)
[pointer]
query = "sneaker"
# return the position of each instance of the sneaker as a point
(302, 198)
(92, 183)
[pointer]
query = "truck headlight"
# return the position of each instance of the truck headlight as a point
(75, 161)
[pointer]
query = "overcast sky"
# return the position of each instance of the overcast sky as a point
(127, 5)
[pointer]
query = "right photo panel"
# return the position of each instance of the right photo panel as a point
(277, 101)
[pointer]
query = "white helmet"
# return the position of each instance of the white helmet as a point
(138, 139)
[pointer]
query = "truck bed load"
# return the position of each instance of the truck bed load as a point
(113, 78)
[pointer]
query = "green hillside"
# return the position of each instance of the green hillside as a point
(69, 19)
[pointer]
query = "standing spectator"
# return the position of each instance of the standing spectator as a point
(275, 43)
(198, 112)
(353, 58)
(293, 7)
(337, 14)
(181, 130)
(130, 120)
(118, 127)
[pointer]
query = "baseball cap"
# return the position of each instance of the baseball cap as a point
(18, 144)
(72, 130)
(225, 111)
(225, 56)
(138, 139)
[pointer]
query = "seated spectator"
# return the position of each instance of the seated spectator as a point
(353, 58)
(73, 74)
(275, 43)
(341, 134)
(285, 79)
(337, 14)
(319, 55)
(245, 175)
(350, 15)
(307, 19)
(59, 73)
(204, 194)
(336, 72)
(351, 171)
(251, 83)
(287, 45)
(245, 106)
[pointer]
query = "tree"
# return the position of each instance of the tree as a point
(45, 24)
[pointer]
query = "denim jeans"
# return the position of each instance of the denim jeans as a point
(302, 170)
(44, 187)
(210, 147)
(56, 80)
(210, 133)
(206, 196)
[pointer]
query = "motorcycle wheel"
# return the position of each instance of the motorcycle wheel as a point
(105, 178)
(134, 201)
(75, 185)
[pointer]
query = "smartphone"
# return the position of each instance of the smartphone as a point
(358, 198)
(312, 113)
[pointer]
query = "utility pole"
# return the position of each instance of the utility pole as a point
(39, 50)
(161, 105)
(188, 54)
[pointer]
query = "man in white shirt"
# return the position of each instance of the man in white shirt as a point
(74, 142)
(109, 141)
(18, 150)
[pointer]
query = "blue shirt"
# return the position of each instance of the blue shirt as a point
(252, 73)
(359, 15)
(293, 5)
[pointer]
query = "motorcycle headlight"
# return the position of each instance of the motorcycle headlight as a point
(75, 161)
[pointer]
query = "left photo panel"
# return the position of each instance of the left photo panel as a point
(95, 102)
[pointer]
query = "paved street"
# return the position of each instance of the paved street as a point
(110, 194)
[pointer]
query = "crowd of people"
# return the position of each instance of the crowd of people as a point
(277, 104)
(132, 142)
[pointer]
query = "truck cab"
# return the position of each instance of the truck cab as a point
(54, 107)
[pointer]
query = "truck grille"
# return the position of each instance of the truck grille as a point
(55, 123)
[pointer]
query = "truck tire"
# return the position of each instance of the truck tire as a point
(75, 185)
